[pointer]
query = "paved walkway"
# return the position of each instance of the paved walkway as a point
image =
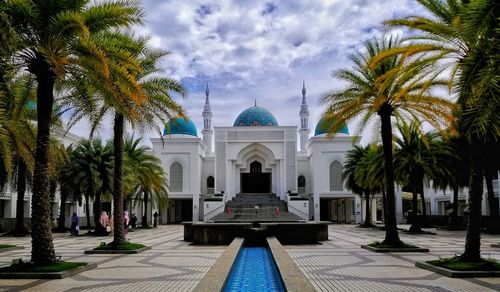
(174, 265)
(341, 265)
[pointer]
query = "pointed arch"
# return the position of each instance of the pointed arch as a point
(336, 176)
(176, 177)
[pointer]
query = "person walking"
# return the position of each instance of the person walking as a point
(155, 220)
(126, 219)
(74, 224)
(103, 220)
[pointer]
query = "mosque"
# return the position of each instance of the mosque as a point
(255, 155)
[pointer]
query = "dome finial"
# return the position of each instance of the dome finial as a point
(255, 102)
(207, 91)
(303, 89)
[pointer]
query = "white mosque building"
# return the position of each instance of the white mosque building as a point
(255, 155)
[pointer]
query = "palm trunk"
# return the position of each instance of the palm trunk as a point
(472, 251)
(87, 210)
(415, 224)
(391, 228)
(453, 223)
(144, 222)
(42, 246)
(368, 215)
(422, 198)
(61, 222)
(20, 230)
(384, 215)
(119, 234)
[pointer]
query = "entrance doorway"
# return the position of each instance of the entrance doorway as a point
(256, 181)
(179, 210)
(339, 210)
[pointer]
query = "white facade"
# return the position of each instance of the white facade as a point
(256, 137)
(220, 163)
(8, 198)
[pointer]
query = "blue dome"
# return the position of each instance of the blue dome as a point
(322, 127)
(255, 116)
(180, 126)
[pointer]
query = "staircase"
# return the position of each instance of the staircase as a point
(258, 207)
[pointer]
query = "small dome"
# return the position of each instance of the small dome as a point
(182, 126)
(322, 128)
(255, 116)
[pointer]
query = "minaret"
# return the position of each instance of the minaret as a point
(304, 120)
(207, 131)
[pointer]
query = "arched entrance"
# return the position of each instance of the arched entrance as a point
(256, 181)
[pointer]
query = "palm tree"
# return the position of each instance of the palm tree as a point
(152, 110)
(419, 156)
(350, 169)
(396, 88)
(91, 171)
(52, 42)
(68, 188)
(145, 179)
(370, 174)
(465, 35)
(458, 178)
(19, 136)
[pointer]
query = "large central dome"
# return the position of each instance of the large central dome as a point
(255, 116)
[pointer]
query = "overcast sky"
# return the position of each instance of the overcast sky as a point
(260, 50)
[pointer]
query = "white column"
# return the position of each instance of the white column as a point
(316, 207)
(357, 209)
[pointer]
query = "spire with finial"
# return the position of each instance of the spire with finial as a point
(207, 110)
(304, 120)
(207, 91)
(207, 121)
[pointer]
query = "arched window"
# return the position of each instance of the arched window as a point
(255, 167)
(210, 184)
(176, 179)
(336, 176)
(301, 183)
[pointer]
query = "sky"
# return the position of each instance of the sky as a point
(259, 50)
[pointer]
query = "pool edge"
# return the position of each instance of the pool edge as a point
(293, 278)
(215, 279)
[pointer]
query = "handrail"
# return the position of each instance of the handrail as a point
(305, 215)
(220, 209)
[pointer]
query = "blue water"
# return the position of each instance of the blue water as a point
(254, 270)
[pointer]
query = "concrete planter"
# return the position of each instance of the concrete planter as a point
(52, 275)
(457, 274)
(117, 251)
(11, 248)
(403, 249)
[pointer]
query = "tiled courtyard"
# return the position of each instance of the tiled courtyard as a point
(337, 265)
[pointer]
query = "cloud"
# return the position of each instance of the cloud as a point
(262, 50)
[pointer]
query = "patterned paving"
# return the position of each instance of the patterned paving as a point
(336, 265)
(341, 265)
(171, 265)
